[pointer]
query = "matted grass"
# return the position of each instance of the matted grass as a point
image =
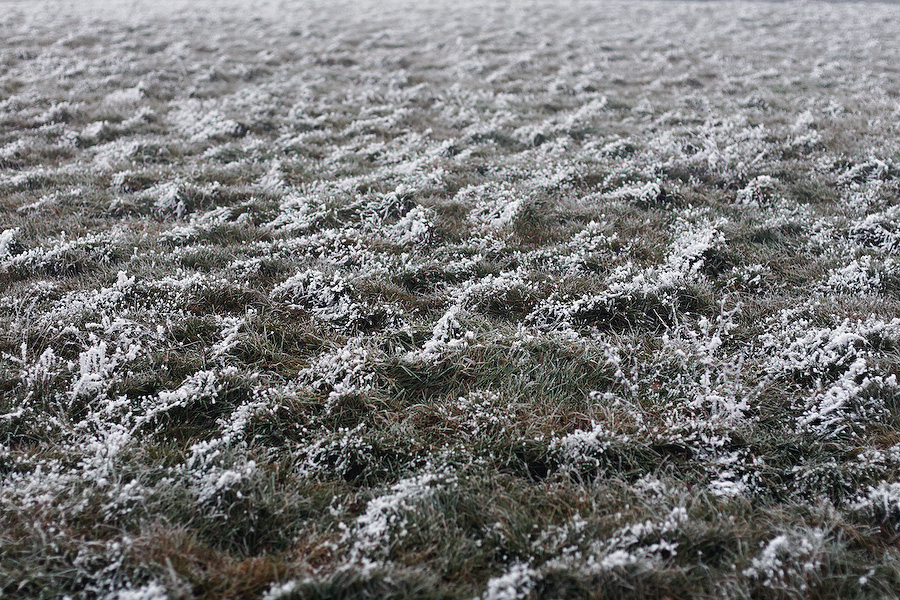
(449, 300)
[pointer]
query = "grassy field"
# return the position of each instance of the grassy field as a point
(455, 299)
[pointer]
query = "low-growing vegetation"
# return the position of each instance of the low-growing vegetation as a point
(449, 300)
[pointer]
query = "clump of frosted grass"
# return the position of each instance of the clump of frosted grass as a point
(346, 371)
(493, 205)
(788, 560)
(387, 518)
(199, 125)
(7, 238)
(413, 228)
(97, 247)
(478, 415)
(759, 191)
(629, 286)
(855, 400)
(862, 275)
(691, 246)
(835, 362)
(646, 194)
(273, 180)
(298, 212)
(880, 502)
(873, 169)
(284, 591)
(333, 452)
(517, 583)
(635, 547)
(329, 296)
(796, 348)
(584, 449)
(878, 230)
(718, 388)
(198, 223)
(150, 591)
(448, 336)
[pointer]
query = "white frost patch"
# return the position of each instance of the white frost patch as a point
(583, 448)
(881, 502)
(98, 247)
(151, 591)
(843, 405)
(760, 191)
(788, 559)
(727, 486)
(643, 193)
(197, 124)
(387, 518)
(692, 243)
(880, 230)
(515, 584)
(477, 414)
(273, 180)
(794, 347)
(168, 198)
(493, 205)
(861, 276)
(125, 97)
(717, 389)
(448, 335)
(334, 453)
(7, 237)
(202, 386)
(231, 326)
(643, 545)
(214, 482)
(97, 366)
(873, 169)
(346, 371)
(329, 297)
(13, 149)
(94, 131)
(298, 213)
(833, 362)
(108, 155)
(415, 227)
(281, 591)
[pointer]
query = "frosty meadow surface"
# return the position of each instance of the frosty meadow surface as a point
(494, 300)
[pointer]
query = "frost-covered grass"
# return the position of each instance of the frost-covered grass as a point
(449, 299)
